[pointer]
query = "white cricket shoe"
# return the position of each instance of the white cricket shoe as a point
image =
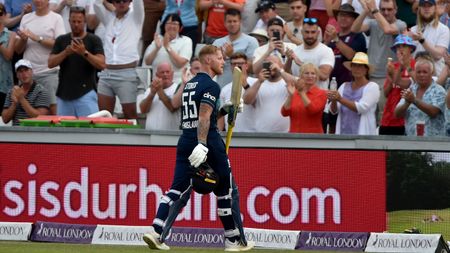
(238, 245)
(153, 242)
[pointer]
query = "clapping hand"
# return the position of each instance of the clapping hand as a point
(333, 95)
(408, 95)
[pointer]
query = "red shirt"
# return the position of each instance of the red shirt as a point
(216, 25)
(389, 118)
(306, 119)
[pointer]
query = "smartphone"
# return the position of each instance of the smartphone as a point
(266, 65)
(277, 35)
(77, 39)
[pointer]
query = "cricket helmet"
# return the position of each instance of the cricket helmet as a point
(204, 179)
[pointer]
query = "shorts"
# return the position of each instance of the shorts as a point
(119, 82)
(50, 81)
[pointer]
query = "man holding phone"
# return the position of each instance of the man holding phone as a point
(79, 55)
(276, 45)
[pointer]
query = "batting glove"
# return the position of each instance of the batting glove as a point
(226, 108)
(198, 155)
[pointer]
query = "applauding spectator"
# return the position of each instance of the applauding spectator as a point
(305, 102)
(7, 41)
(15, 10)
(26, 100)
(356, 101)
(424, 101)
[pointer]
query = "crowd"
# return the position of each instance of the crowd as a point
(390, 60)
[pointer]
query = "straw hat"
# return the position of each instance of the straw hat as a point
(359, 58)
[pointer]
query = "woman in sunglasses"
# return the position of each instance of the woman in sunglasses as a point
(355, 102)
(7, 41)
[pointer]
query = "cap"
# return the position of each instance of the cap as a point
(275, 21)
(422, 2)
(264, 5)
(402, 39)
(23, 63)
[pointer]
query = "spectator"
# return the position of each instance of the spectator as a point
(215, 27)
(79, 55)
(313, 51)
(246, 119)
(170, 47)
(398, 78)
(275, 46)
(267, 95)
(7, 41)
(26, 100)
(344, 44)
(261, 36)
(430, 34)
(157, 102)
(266, 10)
(234, 42)
(249, 17)
(123, 32)
(322, 10)
(297, 10)
(38, 31)
(305, 102)
(193, 69)
(382, 30)
(62, 7)
(423, 101)
(154, 10)
(186, 11)
(94, 23)
(15, 10)
(357, 100)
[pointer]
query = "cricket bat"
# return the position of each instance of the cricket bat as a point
(236, 90)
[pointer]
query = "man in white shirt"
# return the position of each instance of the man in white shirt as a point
(157, 102)
(245, 121)
(267, 95)
(121, 44)
(38, 31)
(312, 51)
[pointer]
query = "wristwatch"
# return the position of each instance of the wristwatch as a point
(374, 11)
(86, 53)
(40, 39)
(422, 40)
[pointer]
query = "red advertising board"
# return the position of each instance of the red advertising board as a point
(293, 189)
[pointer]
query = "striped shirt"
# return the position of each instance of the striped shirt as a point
(37, 96)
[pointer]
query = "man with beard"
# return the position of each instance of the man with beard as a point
(313, 51)
(234, 42)
(429, 34)
(79, 55)
(267, 95)
(200, 142)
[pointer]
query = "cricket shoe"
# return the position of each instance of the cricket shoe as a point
(238, 245)
(153, 242)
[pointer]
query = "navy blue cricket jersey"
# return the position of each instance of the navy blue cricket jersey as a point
(200, 89)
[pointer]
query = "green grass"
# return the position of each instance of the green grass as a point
(35, 247)
(398, 221)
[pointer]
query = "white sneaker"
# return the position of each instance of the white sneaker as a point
(238, 245)
(153, 242)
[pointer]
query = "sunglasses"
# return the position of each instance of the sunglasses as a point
(311, 21)
(77, 9)
(120, 1)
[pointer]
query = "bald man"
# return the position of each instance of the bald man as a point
(162, 113)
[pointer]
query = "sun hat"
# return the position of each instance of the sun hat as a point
(359, 58)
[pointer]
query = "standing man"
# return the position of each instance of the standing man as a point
(79, 54)
(38, 31)
(200, 136)
(26, 100)
(121, 44)
(234, 42)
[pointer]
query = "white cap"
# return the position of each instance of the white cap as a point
(23, 63)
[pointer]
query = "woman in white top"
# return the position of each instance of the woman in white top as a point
(356, 101)
(170, 47)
